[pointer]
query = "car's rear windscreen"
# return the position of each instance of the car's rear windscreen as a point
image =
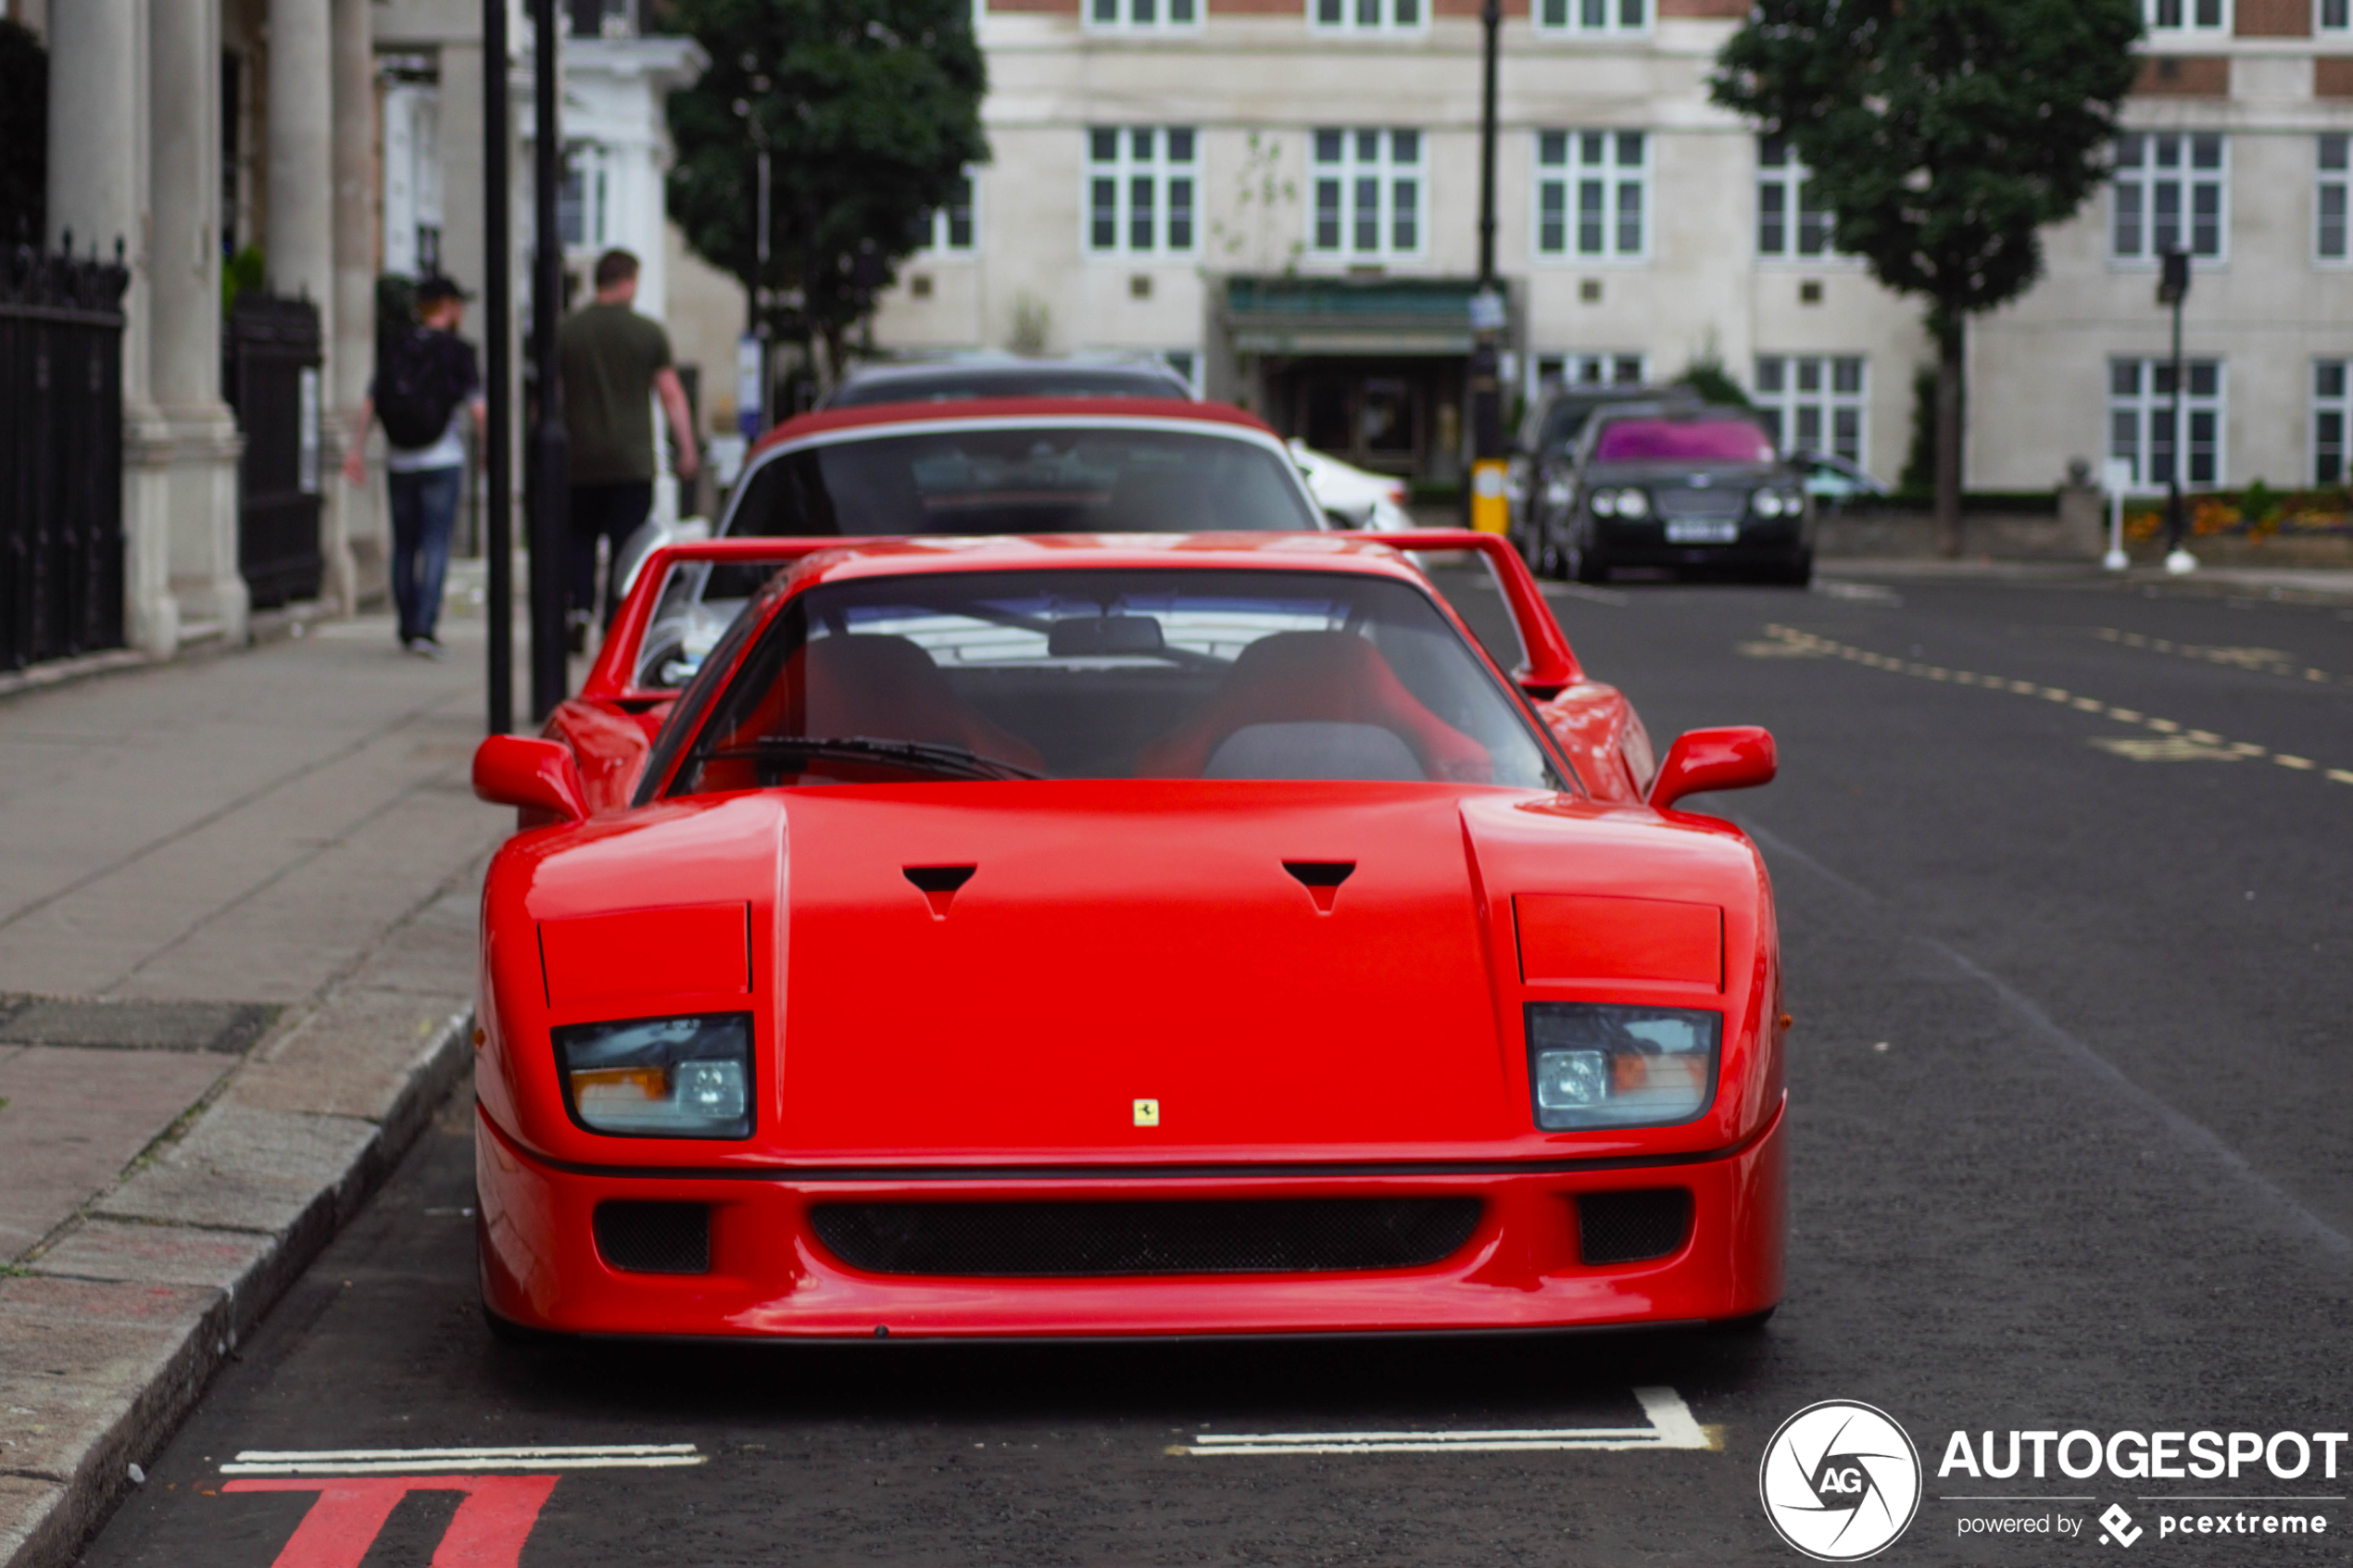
(1024, 478)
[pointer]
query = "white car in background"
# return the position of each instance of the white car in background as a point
(1351, 497)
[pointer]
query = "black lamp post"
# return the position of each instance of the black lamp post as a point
(498, 312)
(1486, 501)
(550, 545)
(2172, 289)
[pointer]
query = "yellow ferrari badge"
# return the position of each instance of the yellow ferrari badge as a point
(1148, 1113)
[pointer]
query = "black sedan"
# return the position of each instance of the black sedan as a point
(1689, 489)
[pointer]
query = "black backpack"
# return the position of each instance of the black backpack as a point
(415, 391)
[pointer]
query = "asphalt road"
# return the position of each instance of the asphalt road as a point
(2072, 1135)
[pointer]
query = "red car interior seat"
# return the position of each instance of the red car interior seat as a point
(1305, 677)
(878, 687)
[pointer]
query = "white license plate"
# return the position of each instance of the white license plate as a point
(1703, 532)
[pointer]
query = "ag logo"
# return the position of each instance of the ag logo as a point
(1840, 1481)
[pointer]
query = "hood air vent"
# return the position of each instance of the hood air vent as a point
(1322, 879)
(939, 885)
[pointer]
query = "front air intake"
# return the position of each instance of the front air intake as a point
(654, 1238)
(1632, 1227)
(1073, 1240)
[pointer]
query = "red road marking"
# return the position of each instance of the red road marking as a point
(492, 1520)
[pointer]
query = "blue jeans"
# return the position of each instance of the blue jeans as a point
(425, 507)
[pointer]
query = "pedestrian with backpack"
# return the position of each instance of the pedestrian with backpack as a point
(425, 389)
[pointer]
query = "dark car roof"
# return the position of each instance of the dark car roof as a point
(1561, 415)
(956, 382)
(1061, 409)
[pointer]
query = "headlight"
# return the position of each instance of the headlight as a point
(1595, 1065)
(1767, 503)
(1633, 503)
(659, 1077)
(1558, 492)
(1604, 503)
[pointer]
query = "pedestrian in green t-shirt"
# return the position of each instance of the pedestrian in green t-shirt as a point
(611, 359)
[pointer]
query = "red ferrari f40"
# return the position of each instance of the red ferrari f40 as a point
(1118, 934)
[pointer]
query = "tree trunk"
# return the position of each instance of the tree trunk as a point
(1950, 389)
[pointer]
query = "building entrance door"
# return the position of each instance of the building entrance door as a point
(1397, 417)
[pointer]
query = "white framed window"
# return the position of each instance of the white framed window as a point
(1593, 194)
(584, 202)
(2187, 16)
(2171, 193)
(2140, 421)
(1591, 17)
(1143, 16)
(2333, 16)
(953, 228)
(1365, 16)
(1589, 370)
(1368, 193)
(1813, 402)
(1141, 185)
(1792, 221)
(2332, 409)
(2335, 172)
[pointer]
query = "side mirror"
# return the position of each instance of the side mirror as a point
(533, 776)
(1738, 757)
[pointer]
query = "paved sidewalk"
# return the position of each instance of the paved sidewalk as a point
(237, 904)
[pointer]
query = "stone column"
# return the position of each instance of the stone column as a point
(185, 284)
(355, 541)
(97, 192)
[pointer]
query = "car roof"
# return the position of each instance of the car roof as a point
(1011, 410)
(1683, 413)
(959, 380)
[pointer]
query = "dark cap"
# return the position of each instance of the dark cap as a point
(434, 290)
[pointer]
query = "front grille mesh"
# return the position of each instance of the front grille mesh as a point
(1632, 1227)
(654, 1238)
(1677, 503)
(1076, 1239)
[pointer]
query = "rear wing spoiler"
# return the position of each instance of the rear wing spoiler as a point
(1550, 665)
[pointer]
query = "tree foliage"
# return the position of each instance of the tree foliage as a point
(871, 110)
(1942, 134)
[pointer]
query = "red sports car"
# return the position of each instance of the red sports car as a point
(1121, 936)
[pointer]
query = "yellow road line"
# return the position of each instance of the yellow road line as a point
(2190, 743)
(2267, 662)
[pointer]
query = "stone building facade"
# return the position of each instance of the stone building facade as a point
(1282, 197)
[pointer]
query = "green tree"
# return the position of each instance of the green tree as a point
(1942, 134)
(870, 112)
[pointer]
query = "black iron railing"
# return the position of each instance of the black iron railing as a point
(60, 454)
(270, 375)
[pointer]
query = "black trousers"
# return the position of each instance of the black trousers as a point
(603, 511)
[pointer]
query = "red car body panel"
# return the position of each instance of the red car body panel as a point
(1117, 941)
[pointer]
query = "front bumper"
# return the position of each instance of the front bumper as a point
(1645, 544)
(771, 1277)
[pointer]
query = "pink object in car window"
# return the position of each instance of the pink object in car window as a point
(1706, 441)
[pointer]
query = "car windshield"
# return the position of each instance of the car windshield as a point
(953, 386)
(1025, 479)
(1158, 673)
(1701, 441)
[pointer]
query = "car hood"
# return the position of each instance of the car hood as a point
(1066, 950)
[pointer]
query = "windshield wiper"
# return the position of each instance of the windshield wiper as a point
(939, 757)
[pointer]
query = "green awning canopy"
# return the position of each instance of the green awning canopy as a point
(1350, 316)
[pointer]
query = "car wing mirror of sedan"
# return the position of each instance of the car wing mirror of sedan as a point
(1737, 757)
(533, 776)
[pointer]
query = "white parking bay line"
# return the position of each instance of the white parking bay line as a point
(415, 1461)
(1671, 1426)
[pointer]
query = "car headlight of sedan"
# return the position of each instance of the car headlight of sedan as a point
(659, 1077)
(1778, 502)
(1593, 1064)
(1629, 502)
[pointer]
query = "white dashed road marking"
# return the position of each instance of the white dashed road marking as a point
(2181, 745)
(426, 1461)
(1670, 1426)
